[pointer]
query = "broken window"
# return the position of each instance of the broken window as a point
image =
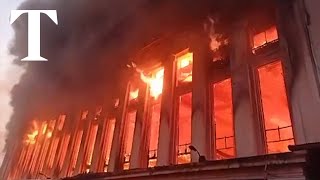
(277, 122)
(223, 119)
(128, 137)
(263, 38)
(184, 68)
(184, 128)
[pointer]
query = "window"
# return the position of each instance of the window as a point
(155, 108)
(108, 138)
(223, 119)
(77, 143)
(63, 150)
(128, 137)
(134, 93)
(184, 128)
(184, 68)
(90, 145)
(277, 122)
(154, 134)
(265, 37)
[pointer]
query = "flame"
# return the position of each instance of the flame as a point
(184, 64)
(32, 137)
(49, 134)
(155, 83)
(134, 94)
(44, 128)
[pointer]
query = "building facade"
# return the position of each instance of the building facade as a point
(193, 112)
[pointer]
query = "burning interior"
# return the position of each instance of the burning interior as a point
(210, 85)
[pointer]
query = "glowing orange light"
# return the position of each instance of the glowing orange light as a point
(155, 83)
(134, 94)
(49, 134)
(261, 39)
(44, 128)
(34, 132)
(32, 137)
(184, 67)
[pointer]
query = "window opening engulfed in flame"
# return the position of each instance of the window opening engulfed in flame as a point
(134, 93)
(223, 119)
(154, 102)
(128, 137)
(268, 36)
(154, 133)
(277, 122)
(155, 82)
(184, 128)
(184, 68)
(92, 140)
(108, 137)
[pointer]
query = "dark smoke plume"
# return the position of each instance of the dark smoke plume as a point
(88, 51)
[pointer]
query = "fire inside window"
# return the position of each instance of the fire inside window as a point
(128, 137)
(154, 110)
(184, 128)
(107, 143)
(90, 146)
(262, 39)
(184, 68)
(223, 119)
(277, 122)
(76, 146)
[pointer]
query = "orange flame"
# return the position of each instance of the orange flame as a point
(134, 94)
(49, 134)
(155, 83)
(32, 137)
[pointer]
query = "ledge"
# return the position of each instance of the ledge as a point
(256, 167)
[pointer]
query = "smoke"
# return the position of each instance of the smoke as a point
(88, 51)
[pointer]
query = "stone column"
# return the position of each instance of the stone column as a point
(311, 15)
(167, 131)
(200, 124)
(73, 121)
(97, 151)
(115, 163)
(247, 133)
(139, 152)
(300, 72)
(86, 126)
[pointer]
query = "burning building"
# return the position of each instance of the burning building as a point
(217, 98)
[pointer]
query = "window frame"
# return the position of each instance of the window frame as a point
(269, 56)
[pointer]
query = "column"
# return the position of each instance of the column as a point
(167, 131)
(247, 135)
(139, 153)
(201, 125)
(300, 72)
(97, 151)
(115, 163)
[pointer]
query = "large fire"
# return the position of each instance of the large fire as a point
(31, 138)
(154, 81)
(36, 131)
